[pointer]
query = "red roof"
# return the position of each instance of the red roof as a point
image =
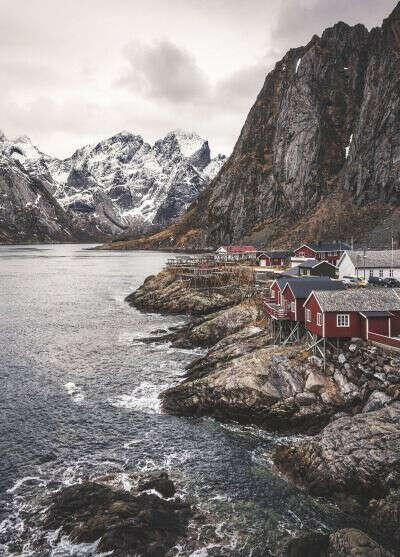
(238, 249)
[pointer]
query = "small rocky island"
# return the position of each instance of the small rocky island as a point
(349, 404)
(147, 522)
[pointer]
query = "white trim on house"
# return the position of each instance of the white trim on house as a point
(315, 292)
(319, 319)
(308, 316)
(343, 320)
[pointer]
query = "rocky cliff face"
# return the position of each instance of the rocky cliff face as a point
(28, 211)
(320, 149)
(122, 183)
(326, 121)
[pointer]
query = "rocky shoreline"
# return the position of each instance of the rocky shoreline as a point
(351, 406)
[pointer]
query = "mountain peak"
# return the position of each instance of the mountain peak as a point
(188, 142)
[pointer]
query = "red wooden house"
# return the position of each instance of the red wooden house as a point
(296, 292)
(321, 251)
(372, 314)
(289, 294)
(274, 258)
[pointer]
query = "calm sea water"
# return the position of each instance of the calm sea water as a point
(79, 399)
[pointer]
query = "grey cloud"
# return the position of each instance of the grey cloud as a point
(299, 20)
(162, 70)
(165, 72)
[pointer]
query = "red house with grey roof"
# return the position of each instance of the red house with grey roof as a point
(322, 251)
(372, 314)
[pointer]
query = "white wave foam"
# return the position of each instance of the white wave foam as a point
(144, 397)
(22, 481)
(74, 391)
(65, 548)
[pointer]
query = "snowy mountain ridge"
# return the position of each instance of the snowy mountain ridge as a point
(123, 181)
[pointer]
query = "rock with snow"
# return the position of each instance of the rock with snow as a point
(122, 183)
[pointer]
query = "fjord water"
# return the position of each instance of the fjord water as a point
(79, 399)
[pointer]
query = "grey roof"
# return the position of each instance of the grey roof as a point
(302, 288)
(293, 272)
(375, 259)
(311, 263)
(358, 299)
(278, 253)
(328, 246)
(376, 313)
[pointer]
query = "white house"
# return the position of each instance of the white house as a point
(365, 264)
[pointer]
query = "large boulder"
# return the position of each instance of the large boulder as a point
(348, 542)
(127, 524)
(275, 387)
(356, 455)
(351, 542)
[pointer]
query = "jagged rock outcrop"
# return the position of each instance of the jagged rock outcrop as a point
(355, 457)
(29, 212)
(164, 293)
(122, 185)
(319, 153)
(243, 377)
(358, 455)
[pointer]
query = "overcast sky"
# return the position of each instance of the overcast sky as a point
(76, 71)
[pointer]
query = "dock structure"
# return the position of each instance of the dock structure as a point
(284, 330)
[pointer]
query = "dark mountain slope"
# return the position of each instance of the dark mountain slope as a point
(319, 153)
(28, 211)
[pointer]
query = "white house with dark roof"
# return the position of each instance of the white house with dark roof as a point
(365, 264)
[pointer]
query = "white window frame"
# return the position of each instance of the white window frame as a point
(308, 315)
(391, 273)
(380, 273)
(343, 320)
(319, 319)
(371, 272)
(292, 307)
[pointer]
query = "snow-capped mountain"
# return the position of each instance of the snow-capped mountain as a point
(123, 182)
(28, 211)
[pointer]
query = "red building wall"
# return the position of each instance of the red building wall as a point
(300, 309)
(378, 325)
(266, 259)
(354, 330)
(275, 289)
(395, 323)
(305, 251)
(312, 326)
(289, 298)
(320, 255)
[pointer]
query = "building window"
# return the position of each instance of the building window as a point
(300, 254)
(292, 307)
(371, 272)
(319, 319)
(308, 315)
(381, 273)
(391, 273)
(343, 320)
